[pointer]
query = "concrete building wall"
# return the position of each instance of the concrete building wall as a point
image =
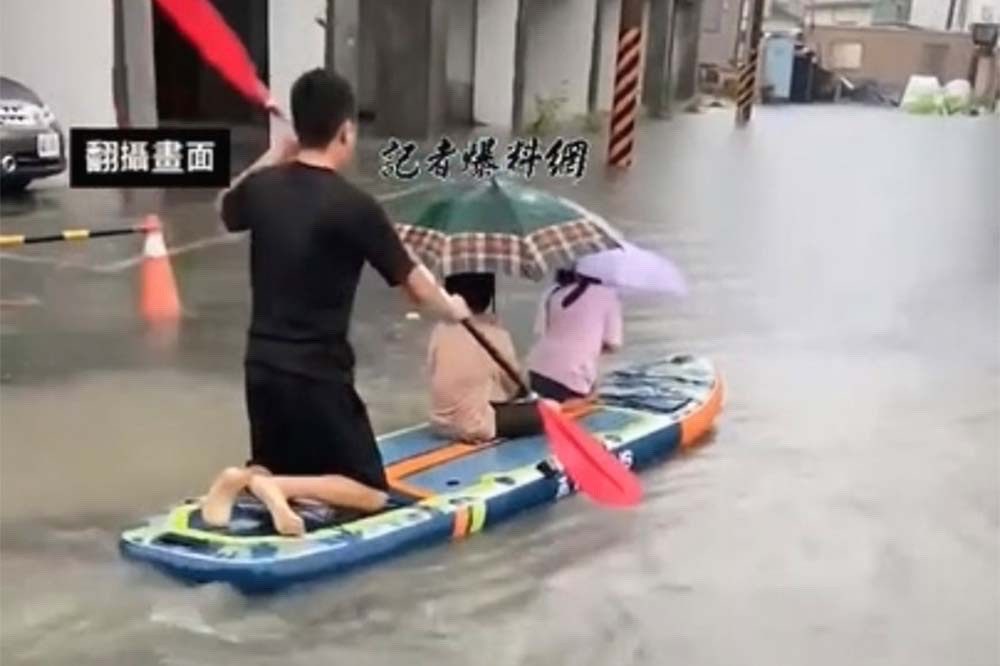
(139, 95)
(720, 24)
(366, 58)
(848, 16)
(411, 38)
(346, 40)
(933, 14)
(558, 54)
(687, 17)
(295, 44)
(930, 14)
(66, 56)
(891, 55)
(891, 12)
(461, 58)
(980, 11)
(493, 92)
(609, 49)
(784, 16)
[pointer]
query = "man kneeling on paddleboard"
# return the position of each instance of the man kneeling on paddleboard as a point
(310, 234)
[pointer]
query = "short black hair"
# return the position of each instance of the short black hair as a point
(321, 102)
(478, 289)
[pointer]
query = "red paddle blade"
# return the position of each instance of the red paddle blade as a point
(208, 32)
(594, 469)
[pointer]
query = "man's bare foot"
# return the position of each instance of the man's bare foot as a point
(285, 520)
(217, 506)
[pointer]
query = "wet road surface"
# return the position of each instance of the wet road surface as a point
(844, 270)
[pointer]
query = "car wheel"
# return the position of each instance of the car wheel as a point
(14, 184)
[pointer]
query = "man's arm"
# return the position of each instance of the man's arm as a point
(227, 202)
(399, 268)
(425, 292)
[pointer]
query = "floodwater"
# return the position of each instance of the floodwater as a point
(844, 271)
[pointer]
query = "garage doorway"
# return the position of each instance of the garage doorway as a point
(188, 92)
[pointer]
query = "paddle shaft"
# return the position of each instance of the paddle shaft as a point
(496, 356)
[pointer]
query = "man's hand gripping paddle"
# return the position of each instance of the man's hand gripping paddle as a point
(594, 469)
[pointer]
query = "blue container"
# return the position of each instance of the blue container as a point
(779, 55)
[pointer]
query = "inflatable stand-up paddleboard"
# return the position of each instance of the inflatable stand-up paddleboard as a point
(445, 490)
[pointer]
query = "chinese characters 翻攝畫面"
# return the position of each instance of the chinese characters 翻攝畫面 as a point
(166, 157)
(141, 157)
(562, 158)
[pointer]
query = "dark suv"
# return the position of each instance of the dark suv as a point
(32, 144)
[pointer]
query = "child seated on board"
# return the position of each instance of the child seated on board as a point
(579, 320)
(470, 394)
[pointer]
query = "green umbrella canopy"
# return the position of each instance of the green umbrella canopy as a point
(498, 226)
(493, 206)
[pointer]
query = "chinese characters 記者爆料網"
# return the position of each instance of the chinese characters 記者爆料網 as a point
(566, 158)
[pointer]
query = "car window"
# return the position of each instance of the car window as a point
(11, 89)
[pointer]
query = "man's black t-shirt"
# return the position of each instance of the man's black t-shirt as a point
(310, 233)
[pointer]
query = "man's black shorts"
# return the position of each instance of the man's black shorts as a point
(303, 426)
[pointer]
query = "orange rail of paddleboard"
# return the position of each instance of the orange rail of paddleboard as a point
(398, 471)
(695, 425)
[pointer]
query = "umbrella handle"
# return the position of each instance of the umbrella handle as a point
(496, 356)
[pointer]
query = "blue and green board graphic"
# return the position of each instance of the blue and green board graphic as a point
(644, 414)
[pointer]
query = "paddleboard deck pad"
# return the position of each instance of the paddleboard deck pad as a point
(442, 490)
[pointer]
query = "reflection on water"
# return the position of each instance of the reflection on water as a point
(844, 512)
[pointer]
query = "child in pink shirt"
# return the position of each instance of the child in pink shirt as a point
(579, 320)
(471, 396)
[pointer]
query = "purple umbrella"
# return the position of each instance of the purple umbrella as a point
(633, 269)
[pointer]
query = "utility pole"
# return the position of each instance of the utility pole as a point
(963, 9)
(628, 71)
(593, 80)
(951, 15)
(746, 88)
(520, 54)
(740, 34)
(119, 78)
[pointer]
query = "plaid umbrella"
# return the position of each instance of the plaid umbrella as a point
(498, 226)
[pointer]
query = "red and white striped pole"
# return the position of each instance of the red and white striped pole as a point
(628, 70)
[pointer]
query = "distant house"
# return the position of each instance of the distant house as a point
(889, 55)
(839, 12)
(935, 14)
(720, 25)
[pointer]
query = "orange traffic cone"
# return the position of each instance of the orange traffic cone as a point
(158, 300)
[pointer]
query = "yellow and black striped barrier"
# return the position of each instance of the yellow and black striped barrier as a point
(625, 101)
(13, 240)
(746, 87)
